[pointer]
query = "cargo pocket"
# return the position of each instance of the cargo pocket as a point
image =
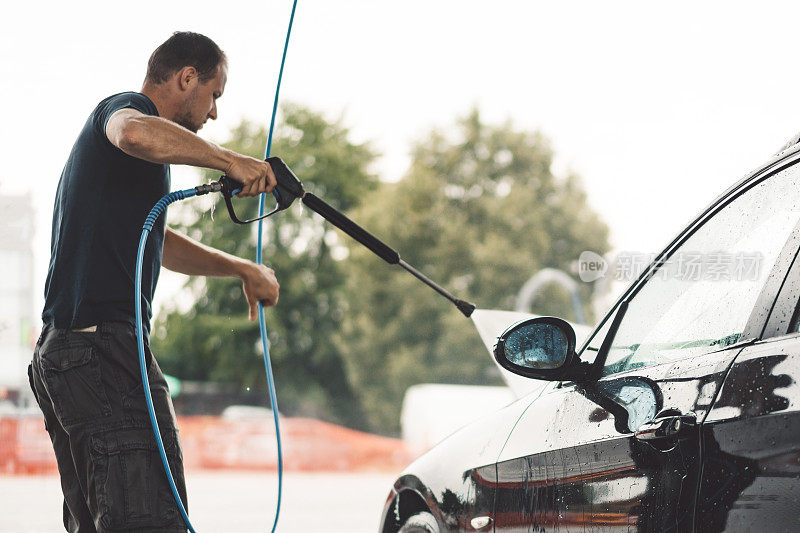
(72, 377)
(129, 481)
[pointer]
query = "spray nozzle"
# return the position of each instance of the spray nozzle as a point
(288, 188)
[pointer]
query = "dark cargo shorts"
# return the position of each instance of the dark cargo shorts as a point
(88, 385)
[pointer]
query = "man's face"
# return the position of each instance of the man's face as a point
(200, 103)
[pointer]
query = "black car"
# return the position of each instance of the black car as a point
(681, 412)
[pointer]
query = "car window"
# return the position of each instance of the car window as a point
(701, 297)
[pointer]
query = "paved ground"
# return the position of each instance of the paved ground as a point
(225, 501)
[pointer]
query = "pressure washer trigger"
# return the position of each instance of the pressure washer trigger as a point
(288, 188)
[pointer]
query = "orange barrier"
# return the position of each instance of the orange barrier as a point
(214, 443)
(25, 446)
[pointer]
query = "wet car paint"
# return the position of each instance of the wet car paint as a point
(738, 472)
(751, 444)
(453, 494)
(577, 460)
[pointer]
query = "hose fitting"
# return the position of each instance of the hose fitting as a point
(214, 186)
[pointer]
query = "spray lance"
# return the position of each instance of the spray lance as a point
(289, 188)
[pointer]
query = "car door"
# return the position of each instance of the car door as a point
(622, 452)
(751, 437)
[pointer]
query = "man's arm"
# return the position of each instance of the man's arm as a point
(187, 256)
(162, 141)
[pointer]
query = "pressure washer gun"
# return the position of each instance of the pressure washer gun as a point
(289, 188)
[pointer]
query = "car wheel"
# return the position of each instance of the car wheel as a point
(420, 523)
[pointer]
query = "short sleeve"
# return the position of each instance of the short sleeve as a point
(112, 104)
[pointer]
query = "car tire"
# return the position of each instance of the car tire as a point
(420, 523)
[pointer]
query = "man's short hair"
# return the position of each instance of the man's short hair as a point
(185, 49)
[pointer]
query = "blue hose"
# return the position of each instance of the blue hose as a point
(273, 400)
(148, 226)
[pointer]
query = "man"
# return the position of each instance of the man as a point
(85, 372)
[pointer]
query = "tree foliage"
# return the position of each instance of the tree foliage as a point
(479, 214)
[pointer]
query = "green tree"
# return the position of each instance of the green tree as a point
(214, 341)
(479, 214)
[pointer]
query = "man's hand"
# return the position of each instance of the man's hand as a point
(259, 284)
(187, 256)
(255, 175)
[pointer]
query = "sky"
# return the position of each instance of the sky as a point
(658, 107)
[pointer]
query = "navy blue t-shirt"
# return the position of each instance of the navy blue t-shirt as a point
(102, 200)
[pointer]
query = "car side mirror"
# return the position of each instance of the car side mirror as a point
(540, 348)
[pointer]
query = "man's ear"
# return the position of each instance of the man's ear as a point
(187, 77)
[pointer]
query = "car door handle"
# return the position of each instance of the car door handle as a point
(666, 428)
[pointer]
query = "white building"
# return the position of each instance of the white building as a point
(17, 318)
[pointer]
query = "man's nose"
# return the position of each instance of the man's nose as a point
(213, 113)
